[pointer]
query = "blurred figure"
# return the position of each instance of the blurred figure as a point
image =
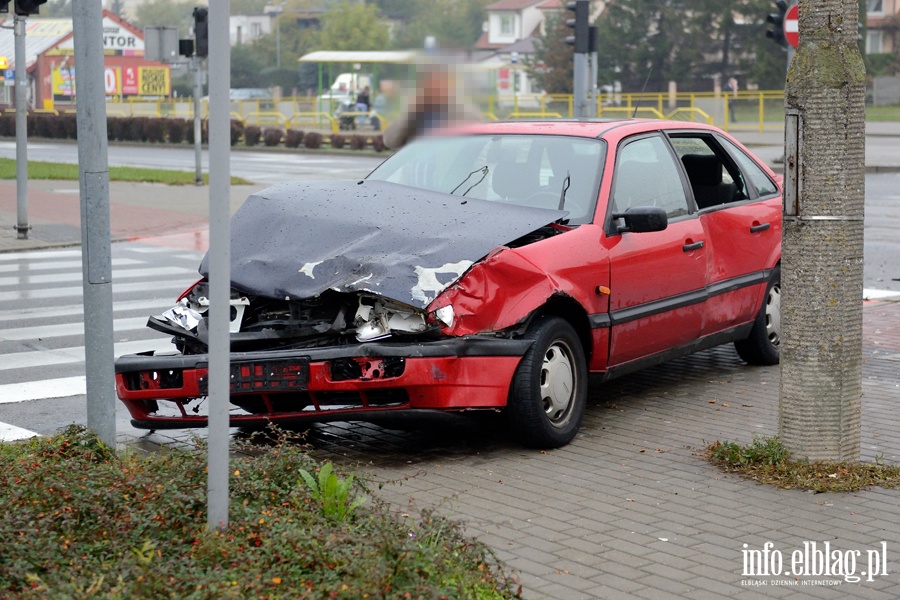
(433, 107)
(362, 104)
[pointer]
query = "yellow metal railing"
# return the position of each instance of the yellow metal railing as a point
(748, 110)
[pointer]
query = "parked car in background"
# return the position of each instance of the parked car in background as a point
(491, 267)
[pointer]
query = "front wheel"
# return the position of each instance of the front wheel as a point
(763, 345)
(549, 389)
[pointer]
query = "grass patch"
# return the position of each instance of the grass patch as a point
(766, 460)
(84, 522)
(883, 113)
(69, 172)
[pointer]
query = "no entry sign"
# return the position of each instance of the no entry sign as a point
(792, 26)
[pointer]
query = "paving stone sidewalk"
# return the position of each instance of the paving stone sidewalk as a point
(631, 509)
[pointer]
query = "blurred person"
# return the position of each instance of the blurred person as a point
(362, 104)
(433, 107)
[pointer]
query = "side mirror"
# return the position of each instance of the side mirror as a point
(643, 219)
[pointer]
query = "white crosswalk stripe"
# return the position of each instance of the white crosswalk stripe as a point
(42, 319)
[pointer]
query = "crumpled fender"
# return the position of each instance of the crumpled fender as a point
(510, 284)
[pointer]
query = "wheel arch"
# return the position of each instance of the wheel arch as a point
(568, 309)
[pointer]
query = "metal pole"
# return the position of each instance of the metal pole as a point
(93, 168)
(278, 37)
(580, 84)
(198, 121)
(219, 66)
(22, 226)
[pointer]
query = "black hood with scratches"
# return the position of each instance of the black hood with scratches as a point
(298, 240)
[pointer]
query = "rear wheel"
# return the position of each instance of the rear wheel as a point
(549, 389)
(763, 345)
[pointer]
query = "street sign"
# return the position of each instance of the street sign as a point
(792, 26)
(9, 76)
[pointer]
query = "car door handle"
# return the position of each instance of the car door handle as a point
(693, 246)
(758, 228)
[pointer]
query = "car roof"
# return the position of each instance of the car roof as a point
(609, 129)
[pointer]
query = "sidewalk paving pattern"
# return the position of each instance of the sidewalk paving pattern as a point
(630, 509)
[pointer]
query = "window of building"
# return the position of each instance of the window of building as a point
(506, 25)
(875, 6)
(874, 41)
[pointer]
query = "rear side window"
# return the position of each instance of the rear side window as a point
(714, 177)
(763, 184)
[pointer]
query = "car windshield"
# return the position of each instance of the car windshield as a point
(542, 171)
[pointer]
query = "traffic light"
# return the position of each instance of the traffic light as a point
(4, 6)
(581, 39)
(777, 21)
(28, 7)
(201, 31)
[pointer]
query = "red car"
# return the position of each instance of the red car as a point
(489, 267)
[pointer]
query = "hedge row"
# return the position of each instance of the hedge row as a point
(176, 131)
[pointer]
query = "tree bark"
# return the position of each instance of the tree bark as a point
(822, 271)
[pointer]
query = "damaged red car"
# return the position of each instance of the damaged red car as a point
(493, 267)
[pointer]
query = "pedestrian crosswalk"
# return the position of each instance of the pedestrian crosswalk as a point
(42, 324)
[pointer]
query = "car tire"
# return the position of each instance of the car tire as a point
(763, 345)
(549, 389)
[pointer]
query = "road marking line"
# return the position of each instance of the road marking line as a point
(118, 288)
(62, 356)
(41, 390)
(150, 306)
(41, 332)
(11, 433)
(27, 267)
(870, 294)
(28, 279)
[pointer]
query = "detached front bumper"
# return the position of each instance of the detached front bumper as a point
(354, 382)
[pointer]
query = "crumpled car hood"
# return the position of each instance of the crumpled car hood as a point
(298, 240)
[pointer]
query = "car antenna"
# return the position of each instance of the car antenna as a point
(644, 89)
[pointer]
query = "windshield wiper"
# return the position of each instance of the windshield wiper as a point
(565, 188)
(483, 170)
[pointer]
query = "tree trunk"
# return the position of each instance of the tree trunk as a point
(822, 271)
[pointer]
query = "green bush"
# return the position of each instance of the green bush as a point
(7, 125)
(237, 131)
(113, 128)
(252, 133)
(175, 130)
(293, 138)
(272, 136)
(69, 125)
(357, 141)
(83, 522)
(43, 126)
(204, 132)
(154, 130)
(312, 139)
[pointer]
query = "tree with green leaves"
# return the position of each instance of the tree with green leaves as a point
(453, 23)
(687, 41)
(551, 66)
(352, 27)
(166, 13)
